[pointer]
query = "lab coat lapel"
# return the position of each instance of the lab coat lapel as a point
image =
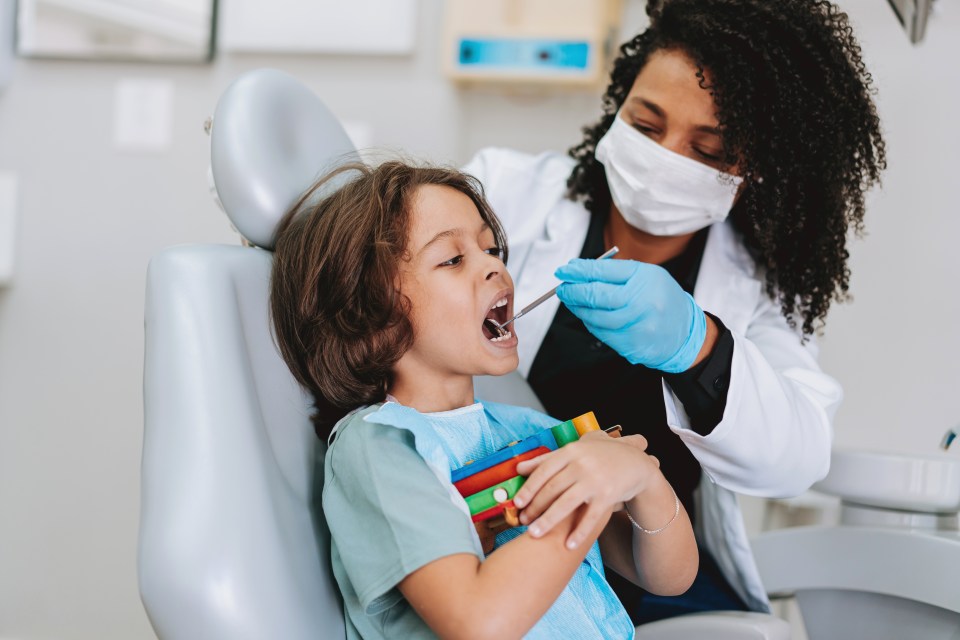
(564, 233)
(726, 284)
(728, 287)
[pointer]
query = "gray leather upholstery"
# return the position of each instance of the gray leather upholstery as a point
(716, 625)
(509, 389)
(232, 540)
(230, 546)
(271, 138)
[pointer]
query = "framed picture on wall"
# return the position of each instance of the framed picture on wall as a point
(299, 27)
(127, 30)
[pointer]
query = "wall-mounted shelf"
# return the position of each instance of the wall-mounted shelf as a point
(533, 42)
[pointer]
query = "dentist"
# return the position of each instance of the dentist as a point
(736, 142)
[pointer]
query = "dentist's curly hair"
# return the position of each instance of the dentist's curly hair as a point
(339, 319)
(794, 103)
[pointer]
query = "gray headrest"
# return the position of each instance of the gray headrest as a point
(271, 138)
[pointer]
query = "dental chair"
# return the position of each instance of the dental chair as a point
(890, 569)
(232, 542)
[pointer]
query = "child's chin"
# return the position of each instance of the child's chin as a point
(508, 365)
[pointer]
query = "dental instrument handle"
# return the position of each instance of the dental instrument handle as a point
(549, 294)
(532, 305)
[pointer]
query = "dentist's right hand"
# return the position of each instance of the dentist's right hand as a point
(637, 309)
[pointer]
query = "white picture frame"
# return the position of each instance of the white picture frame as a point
(373, 27)
(128, 30)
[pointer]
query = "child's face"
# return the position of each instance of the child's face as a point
(454, 279)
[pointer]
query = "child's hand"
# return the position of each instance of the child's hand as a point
(597, 470)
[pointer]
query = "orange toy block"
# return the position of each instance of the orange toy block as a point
(509, 514)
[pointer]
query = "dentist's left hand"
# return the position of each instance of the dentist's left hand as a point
(637, 309)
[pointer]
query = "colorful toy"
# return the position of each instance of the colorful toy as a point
(489, 484)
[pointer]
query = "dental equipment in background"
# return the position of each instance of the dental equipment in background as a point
(948, 439)
(913, 16)
(497, 328)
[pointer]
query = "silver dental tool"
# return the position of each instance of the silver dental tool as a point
(498, 328)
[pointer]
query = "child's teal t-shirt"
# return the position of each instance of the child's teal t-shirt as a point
(390, 513)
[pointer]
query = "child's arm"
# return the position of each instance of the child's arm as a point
(398, 534)
(503, 597)
(603, 473)
(664, 563)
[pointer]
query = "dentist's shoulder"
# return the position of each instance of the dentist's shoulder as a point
(516, 183)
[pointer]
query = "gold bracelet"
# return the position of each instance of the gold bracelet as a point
(676, 512)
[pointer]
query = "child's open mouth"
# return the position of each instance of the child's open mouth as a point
(496, 316)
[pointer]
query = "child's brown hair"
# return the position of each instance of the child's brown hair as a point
(339, 318)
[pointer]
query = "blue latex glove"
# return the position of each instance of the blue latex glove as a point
(637, 309)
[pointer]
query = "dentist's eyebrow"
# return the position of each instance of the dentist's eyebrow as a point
(655, 108)
(652, 106)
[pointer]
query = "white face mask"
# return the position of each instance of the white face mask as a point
(659, 191)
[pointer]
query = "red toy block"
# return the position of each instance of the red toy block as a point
(505, 509)
(498, 473)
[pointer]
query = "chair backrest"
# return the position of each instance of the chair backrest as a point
(233, 543)
(271, 138)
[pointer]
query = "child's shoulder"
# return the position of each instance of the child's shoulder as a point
(358, 441)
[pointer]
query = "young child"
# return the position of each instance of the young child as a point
(379, 296)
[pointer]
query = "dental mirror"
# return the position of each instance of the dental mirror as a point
(498, 329)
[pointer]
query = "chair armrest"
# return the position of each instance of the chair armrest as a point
(717, 625)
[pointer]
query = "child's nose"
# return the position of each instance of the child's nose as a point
(493, 274)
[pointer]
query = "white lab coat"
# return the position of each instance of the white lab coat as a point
(775, 436)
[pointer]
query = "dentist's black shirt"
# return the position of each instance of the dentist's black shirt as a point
(574, 372)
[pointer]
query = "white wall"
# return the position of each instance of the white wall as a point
(90, 217)
(896, 348)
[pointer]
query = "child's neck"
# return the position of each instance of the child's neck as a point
(431, 395)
